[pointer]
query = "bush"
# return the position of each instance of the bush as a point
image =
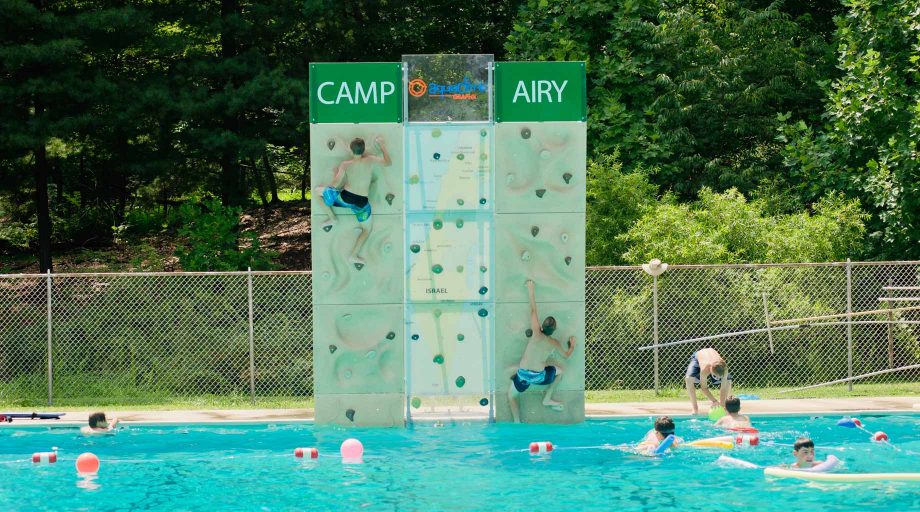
(212, 240)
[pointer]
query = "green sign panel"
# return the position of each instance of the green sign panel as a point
(364, 92)
(540, 91)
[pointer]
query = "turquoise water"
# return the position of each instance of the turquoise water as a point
(464, 466)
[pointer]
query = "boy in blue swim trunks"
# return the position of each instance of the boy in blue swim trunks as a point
(705, 365)
(536, 355)
(350, 189)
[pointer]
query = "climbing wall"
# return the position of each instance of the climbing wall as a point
(449, 275)
(540, 231)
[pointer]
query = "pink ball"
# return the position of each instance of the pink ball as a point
(352, 449)
(87, 463)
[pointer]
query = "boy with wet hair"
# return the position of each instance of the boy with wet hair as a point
(350, 189)
(804, 452)
(99, 425)
(664, 427)
(733, 418)
(536, 355)
(707, 365)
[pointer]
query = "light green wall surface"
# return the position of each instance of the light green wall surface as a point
(449, 167)
(358, 349)
(511, 323)
(335, 281)
(541, 256)
(449, 257)
(533, 410)
(370, 410)
(540, 162)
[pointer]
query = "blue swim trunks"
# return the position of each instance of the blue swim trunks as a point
(523, 379)
(359, 205)
(693, 371)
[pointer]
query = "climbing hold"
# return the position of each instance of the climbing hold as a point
(415, 248)
(460, 381)
(330, 144)
(350, 414)
(567, 177)
(387, 247)
(482, 269)
(436, 133)
(528, 332)
(483, 312)
(544, 154)
(525, 256)
(437, 269)
(482, 200)
(439, 359)
(460, 202)
(459, 269)
(358, 266)
(483, 156)
(327, 275)
(540, 192)
(414, 179)
(460, 337)
(534, 230)
(438, 224)
(483, 290)
(437, 313)
(509, 179)
(327, 228)
(391, 335)
(348, 374)
(459, 223)
(568, 260)
(415, 337)
(484, 402)
(332, 349)
(460, 156)
(437, 156)
(525, 133)
(564, 237)
(416, 402)
(483, 133)
(389, 198)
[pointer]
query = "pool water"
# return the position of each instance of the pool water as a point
(463, 466)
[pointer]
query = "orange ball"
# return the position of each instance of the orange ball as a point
(87, 463)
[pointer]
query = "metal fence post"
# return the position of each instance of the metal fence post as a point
(655, 327)
(849, 323)
(252, 357)
(766, 316)
(48, 322)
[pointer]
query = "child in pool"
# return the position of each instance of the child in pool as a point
(99, 425)
(664, 427)
(733, 419)
(804, 452)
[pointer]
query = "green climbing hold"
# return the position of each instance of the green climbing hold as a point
(484, 402)
(528, 332)
(438, 224)
(483, 312)
(459, 269)
(460, 381)
(437, 156)
(391, 335)
(414, 179)
(460, 156)
(460, 202)
(415, 337)
(459, 223)
(415, 248)
(437, 313)
(460, 337)
(483, 133)
(483, 269)
(439, 359)
(483, 157)
(483, 290)
(436, 133)
(482, 201)
(416, 402)
(437, 269)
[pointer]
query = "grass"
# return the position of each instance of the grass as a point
(838, 391)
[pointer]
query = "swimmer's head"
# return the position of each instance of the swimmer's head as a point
(733, 404)
(720, 370)
(804, 451)
(664, 426)
(357, 146)
(97, 420)
(549, 326)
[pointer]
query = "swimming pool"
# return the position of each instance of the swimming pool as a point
(464, 466)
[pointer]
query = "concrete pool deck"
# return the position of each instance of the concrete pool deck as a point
(801, 406)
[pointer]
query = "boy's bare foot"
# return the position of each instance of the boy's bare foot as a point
(357, 261)
(554, 404)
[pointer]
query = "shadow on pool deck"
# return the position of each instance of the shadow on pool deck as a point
(593, 410)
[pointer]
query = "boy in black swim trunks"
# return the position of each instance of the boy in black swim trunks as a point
(536, 354)
(350, 189)
(707, 365)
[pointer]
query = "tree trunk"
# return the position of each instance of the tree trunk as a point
(231, 193)
(272, 184)
(41, 202)
(260, 185)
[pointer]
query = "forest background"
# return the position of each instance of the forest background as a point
(173, 135)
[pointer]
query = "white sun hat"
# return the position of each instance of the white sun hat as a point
(654, 267)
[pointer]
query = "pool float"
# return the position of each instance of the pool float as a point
(10, 416)
(664, 445)
(744, 430)
(841, 477)
(725, 442)
(725, 460)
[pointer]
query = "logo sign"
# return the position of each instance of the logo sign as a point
(540, 91)
(366, 92)
(448, 87)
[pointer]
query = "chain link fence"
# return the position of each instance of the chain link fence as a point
(246, 337)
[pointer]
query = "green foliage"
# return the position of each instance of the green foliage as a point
(868, 147)
(615, 201)
(727, 228)
(212, 240)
